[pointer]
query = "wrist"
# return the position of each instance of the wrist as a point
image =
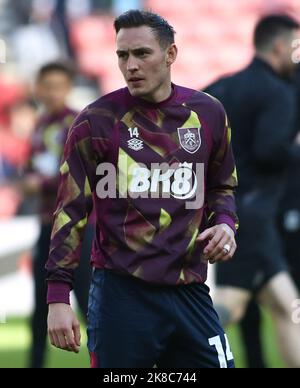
(224, 219)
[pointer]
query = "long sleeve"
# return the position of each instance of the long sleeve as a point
(74, 204)
(222, 179)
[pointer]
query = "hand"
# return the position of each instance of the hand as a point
(218, 237)
(63, 327)
(297, 139)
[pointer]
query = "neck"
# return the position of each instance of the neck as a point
(270, 60)
(162, 93)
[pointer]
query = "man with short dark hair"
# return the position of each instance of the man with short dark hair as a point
(53, 85)
(261, 108)
(161, 145)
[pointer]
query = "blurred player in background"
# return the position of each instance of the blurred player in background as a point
(289, 217)
(54, 83)
(289, 229)
(15, 137)
(261, 107)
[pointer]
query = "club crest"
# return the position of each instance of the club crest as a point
(190, 139)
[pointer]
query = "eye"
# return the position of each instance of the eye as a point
(141, 53)
(122, 55)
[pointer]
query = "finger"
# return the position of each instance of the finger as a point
(224, 255)
(56, 342)
(211, 247)
(77, 334)
(51, 338)
(216, 246)
(210, 251)
(62, 340)
(218, 251)
(70, 341)
(213, 242)
(207, 234)
(220, 258)
(232, 251)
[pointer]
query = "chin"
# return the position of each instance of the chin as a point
(137, 92)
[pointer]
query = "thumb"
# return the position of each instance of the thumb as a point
(207, 234)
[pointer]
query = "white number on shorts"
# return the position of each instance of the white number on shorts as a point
(216, 342)
(229, 354)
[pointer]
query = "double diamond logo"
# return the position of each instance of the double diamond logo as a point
(135, 143)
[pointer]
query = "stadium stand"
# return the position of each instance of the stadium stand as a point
(215, 37)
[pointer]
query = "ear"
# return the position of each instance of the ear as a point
(171, 54)
(278, 46)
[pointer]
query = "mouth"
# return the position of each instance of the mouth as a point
(135, 79)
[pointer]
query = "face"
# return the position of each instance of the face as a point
(52, 90)
(23, 120)
(288, 67)
(144, 64)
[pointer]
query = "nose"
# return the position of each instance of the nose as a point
(132, 64)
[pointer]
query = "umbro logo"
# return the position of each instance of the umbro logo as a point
(135, 143)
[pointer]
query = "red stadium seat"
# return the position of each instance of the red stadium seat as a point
(214, 37)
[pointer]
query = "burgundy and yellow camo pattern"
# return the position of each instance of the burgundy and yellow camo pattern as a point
(153, 239)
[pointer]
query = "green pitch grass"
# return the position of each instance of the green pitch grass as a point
(15, 341)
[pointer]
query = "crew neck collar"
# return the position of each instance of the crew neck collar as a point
(155, 105)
